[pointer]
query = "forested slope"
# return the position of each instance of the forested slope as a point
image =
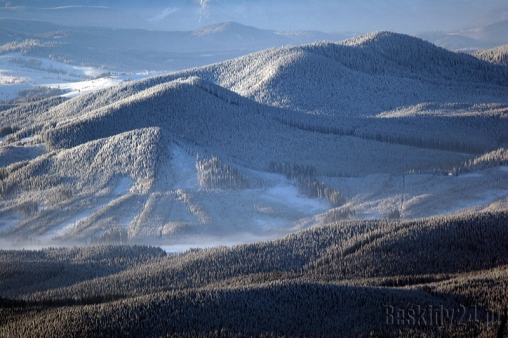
(251, 145)
(365, 75)
(58, 186)
(361, 76)
(220, 121)
(497, 55)
(323, 281)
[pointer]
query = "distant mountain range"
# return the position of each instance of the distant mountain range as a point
(139, 49)
(471, 39)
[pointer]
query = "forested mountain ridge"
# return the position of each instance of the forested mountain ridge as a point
(251, 144)
(384, 66)
(360, 76)
(148, 130)
(318, 277)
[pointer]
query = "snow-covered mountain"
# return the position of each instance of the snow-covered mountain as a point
(279, 182)
(260, 146)
(364, 75)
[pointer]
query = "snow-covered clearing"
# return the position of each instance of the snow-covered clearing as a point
(287, 194)
(8, 222)
(18, 72)
(184, 170)
(421, 195)
(271, 208)
(483, 198)
(122, 188)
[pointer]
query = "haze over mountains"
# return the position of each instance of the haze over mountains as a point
(283, 15)
(472, 38)
(144, 36)
(294, 182)
(130, 49)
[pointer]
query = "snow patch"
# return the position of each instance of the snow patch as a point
(74, 89)
(287, 194)
(123, 187)
(184, 170)
(8, 222)
(69, 224)
(485, 198)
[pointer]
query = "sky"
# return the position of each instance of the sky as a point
(362, 16)
(403, 16)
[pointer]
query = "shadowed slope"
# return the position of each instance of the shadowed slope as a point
(290, 286)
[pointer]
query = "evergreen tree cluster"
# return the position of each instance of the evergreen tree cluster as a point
(497, 55)
(213, 174)
(307, 183)
(111, 236)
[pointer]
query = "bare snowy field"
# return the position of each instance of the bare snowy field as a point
(422, 195)
(18, 72)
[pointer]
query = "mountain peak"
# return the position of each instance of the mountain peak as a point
(221, 27)
(382, 38)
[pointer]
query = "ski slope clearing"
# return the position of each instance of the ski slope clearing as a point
(122, 188)
(421, 195)
(287, 194)
(184, 170)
